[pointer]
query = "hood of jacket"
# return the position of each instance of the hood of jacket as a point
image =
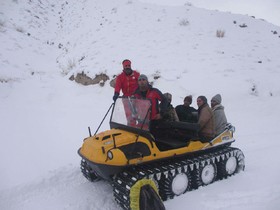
(218, 107)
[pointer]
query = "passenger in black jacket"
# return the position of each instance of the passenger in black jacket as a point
(185, 112)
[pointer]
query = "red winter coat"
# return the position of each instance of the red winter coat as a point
(155, 96)
(127, 83)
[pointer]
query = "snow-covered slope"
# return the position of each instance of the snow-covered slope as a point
(44, 115)
(267, 10)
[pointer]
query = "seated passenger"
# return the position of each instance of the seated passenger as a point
(219, 114)
(170, 114)
(185, 112)
(171, 129)
(205, 120)
(146, 91)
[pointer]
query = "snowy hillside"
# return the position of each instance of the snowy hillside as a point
(44, 115)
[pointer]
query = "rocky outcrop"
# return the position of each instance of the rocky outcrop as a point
(84, 79)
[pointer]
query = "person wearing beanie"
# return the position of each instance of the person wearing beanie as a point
(142, 77)
(146, 91)
(170, 115)
(159, 104)
(185, 112)
(127, 81)
(217, 98)
(219, 114)
(205, 120)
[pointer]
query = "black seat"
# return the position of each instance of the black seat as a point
(170, 143)
(169, 135)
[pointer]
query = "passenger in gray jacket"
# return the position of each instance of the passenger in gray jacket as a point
(219, 114)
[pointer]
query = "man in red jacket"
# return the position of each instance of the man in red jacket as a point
(146, 91)
(127, 81)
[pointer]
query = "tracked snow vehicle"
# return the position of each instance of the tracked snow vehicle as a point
(170, 156)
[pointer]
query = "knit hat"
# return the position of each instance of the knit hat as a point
(188, 98)
(168, 96)
(126, 63)
(217, 98)
(142, 76)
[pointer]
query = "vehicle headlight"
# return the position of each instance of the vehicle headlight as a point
(110, 155)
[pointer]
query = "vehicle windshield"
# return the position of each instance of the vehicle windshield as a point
(132, 112)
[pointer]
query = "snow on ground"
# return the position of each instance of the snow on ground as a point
(267, 10)
(44, 115)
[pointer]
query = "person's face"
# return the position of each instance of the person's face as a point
(142, 83)
(169, 99)
(187, 103)
(213, 103)
(199, 102)
(127, 68)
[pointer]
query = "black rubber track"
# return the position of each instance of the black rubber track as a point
(161, 171)
(88, 172)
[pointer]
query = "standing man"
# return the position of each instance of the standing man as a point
(146, 91)
(219, 114)
(185, 112)
(205, 120)
(126, 81)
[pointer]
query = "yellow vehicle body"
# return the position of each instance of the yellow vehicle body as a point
(137, 152)
(95, 149)
(110, 151)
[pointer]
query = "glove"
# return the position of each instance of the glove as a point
(116, 95)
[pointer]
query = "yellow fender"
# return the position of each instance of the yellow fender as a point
(135, 192)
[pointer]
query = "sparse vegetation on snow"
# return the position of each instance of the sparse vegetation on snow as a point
(45, 116)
